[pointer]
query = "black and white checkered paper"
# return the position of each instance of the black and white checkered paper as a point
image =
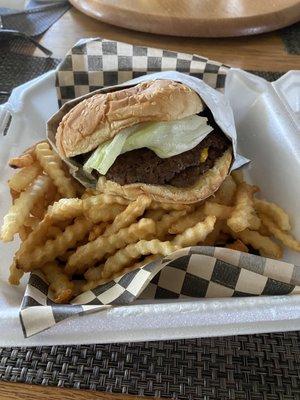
(96, 63)
(188, 273)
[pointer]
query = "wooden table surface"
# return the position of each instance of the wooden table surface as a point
(265, 52)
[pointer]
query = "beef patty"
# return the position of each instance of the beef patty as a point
(182, 170)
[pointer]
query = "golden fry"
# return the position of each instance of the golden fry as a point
(92, 252)
(156, 205)
(225, 193)
(238, 245)
(163, 226)
(24, 160)
(59, 282)
(156, 215)
(36, 238)
(104, 213)
(15, 274)
(129, 215)
(243, 211)
(93, 275)
(32, 222)
(214, 235)
(21, 209)
(66, 209)
(218, 210)
(238, 176)
(24, 232)
(102, 199)
(262, 243)
(54, 248)
(52, 165)
(24, 177)
(187, 221)
(196, 234)
(287, 239)
(273, 211)
(124, 257)
(97, 230)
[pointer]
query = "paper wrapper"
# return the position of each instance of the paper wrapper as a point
(189, 273)
(216, 102)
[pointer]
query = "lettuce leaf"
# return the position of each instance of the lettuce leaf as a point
(166, 139)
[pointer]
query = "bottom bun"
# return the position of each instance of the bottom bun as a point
(206, 185)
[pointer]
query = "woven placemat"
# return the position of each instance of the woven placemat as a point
(34, 20)
(256, 367)
(291, 38)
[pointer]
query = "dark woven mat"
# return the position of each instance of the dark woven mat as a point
(33, 21)
(291, 38)
(17, 68)
(256, 367)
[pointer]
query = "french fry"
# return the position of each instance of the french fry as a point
(238, 176)
(273, 211)
(54, 248)
(97, 230)
(66, 209)
(32, 222)
(14, 195)
(196, 234)
(102, 199)
(212, 238)
(15, 274)
(24, 160)
(163, 226)
(218, 210)
(52, 165)
(22, 207)
(93, 275)
(59, 282)
(104, 213)
(35, 238)
(24, 232)
(187, 221)
(238, 245)
(156, 215)
(89, 192)
(258, 242)
(124, 257)
(92, 252)
(129, 215)
(225, 193)
(24, 177)
(156, 205)
(284, 237)
(243, 210)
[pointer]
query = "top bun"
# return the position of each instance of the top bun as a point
(100, 117)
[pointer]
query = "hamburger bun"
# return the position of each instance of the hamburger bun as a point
(99, 118)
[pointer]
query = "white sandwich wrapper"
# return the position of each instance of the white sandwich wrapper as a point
(267, 120)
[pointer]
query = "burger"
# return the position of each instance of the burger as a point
(156, 138)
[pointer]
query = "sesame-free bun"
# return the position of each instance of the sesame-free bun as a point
(100, 117)
(206, 185)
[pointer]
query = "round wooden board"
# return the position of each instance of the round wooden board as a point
(198, 18)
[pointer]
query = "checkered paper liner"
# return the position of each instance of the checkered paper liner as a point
(192, 272)
(96, 63)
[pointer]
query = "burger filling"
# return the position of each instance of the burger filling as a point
(173, 153)
(182, 170)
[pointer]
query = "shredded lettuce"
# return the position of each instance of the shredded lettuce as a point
(166, 139)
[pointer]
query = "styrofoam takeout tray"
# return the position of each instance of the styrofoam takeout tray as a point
(268, 125)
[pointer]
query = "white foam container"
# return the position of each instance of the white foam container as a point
(268, 125)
